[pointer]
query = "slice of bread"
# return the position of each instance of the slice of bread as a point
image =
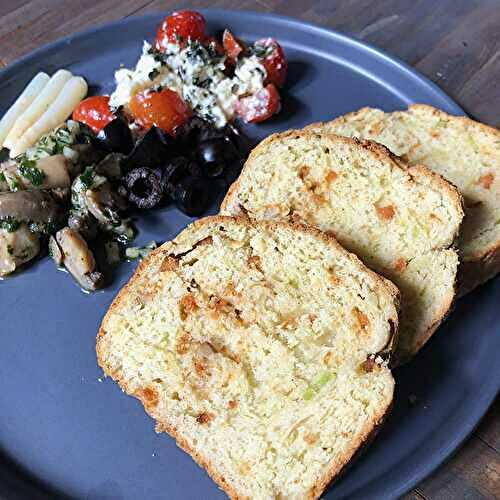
(401, 221)
(464, 152)
(255, 345)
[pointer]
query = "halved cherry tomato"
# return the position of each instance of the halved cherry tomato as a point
(274, 61)
(232, 45)
(165, 109)
(213, 42)
(180, 26)
(259, 106)
(94, 112)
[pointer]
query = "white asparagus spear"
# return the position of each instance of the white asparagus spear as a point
(34, 87)
(36, 109)
(70, 96)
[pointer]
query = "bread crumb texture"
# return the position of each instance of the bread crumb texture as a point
(401, 221)
(464, 152)
(240, 345)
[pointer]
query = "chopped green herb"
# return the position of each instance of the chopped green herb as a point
(9, 224)
(42, 227)
(260, 50)
(10, 250)
(2, 177)
(87, 178)
(15, 185)
(28, 170)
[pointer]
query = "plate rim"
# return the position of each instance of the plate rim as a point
(474, 417)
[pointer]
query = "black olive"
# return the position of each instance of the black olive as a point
(116, 137)
(193, 195)
(160, 173)
(152, 150)
(215, 154)
(175, 171)
(240, 141)
(144, 187)
(195, 130)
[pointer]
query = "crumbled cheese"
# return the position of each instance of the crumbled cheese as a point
(196, 74)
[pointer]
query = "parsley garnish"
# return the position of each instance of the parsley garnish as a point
(2, 177)
(28, 170)
(42, 227)
(9, 224)
(87, 178)
(15, 185)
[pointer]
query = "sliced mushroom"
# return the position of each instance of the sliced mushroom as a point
(55, 251)
(85, 224)
(110, 166)
(31, 206)
(88, 154)
(16, 248)
(9, 175)
(46, 173)
(55, 171)
(78, 259)
(104, 202)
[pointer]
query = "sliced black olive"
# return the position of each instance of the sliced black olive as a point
(160, 173)
(144, 187)
(215, 154)
(153, 150)
(116, 137)
(193, 195)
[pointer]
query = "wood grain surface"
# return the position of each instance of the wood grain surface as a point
(456, 43)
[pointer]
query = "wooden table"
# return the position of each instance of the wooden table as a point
(456, 43)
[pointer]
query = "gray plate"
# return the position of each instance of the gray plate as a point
(63, 432)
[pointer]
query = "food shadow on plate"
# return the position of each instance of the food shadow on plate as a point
(419, 395)
(418, 382)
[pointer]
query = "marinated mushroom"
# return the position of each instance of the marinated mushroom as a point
(17, 247)
(104, 202)
(36, 207)
(55, 251)
(85, 223)
(78, 259)
(46, 173)
(110, 166)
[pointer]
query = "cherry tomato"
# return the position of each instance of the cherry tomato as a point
(232, 45)
(213, 42)
(259, 106)
(165, 109)
(94, 112)
(274, 61)
(180, 26)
